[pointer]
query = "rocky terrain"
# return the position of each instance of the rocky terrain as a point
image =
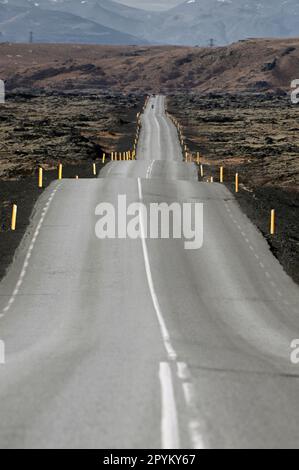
(249, 66)
(258, 137)
(40, 129)
(44, 129)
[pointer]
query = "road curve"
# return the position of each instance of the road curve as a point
(140, 343)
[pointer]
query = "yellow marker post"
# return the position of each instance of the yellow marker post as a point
(221, 174)
(201, 171)
(103, 158)
(14, 217)
(94, 169)
(237, 183)
(272, 222)
(40, 177)
(197, 158)
(60, 171)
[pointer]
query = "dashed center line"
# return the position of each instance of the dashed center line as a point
(169, 436)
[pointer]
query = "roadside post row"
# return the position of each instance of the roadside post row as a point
(131, 155)
(128, 155)
(189, 158)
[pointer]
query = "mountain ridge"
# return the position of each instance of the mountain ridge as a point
(193, 22)
(52, 26)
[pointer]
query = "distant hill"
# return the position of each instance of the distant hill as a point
(105, 12)
(56, 27)
(193, 22)
(196, 21)
(247, 66)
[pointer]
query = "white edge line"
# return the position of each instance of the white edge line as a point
(28, 255)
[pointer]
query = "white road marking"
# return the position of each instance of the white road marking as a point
(193, 423)
(150, 169)
(165, 335)
(183, 371)
(267, 274)
(169, 422)
(109, 171)
(194, 427)
(159, 131)
(29, 253)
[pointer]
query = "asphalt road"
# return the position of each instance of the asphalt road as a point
(141, 343)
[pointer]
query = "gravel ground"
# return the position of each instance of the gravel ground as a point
(258, 137)
(45, 129)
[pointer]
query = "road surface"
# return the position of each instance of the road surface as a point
(140, 343)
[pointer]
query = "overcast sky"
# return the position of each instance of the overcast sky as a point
(151, 4)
